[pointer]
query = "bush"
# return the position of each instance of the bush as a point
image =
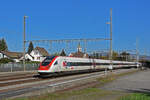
(5, 60)
(32, 62)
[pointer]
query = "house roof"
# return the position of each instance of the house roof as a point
(29, 55)
(42, 51)
(13, 55)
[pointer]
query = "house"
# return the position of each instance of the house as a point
(37, 54)
(28, 57)
(2, 55)
(79, 53)
(11, 55)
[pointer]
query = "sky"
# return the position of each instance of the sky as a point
(71, 19)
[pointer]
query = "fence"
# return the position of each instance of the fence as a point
(18, 67)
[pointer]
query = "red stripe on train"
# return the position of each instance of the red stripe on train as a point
(48, 66)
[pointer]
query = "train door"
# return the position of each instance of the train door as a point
(57, 66)
(64, 65)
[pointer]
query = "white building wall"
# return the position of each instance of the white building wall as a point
(2, 56)
(37, 56)
(27, 56)
(16, 60)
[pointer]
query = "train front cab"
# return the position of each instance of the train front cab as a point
(45, 65)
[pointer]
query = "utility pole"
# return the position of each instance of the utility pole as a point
(137, 53)
(145, 52)
(85, 46)
(110, 53)
(110, 50)
(24, 43)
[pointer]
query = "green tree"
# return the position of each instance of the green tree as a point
(115, 55)
(97, 56)
(30, 48)
(3, 45)
(5, 60)
(124, 56)
(56, 54)
(63, 53)
(0, 45)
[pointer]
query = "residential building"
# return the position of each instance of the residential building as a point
(11, 55)
(37, 54)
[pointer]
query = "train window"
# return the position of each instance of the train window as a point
(78, 64)
(69, 64)
(56, 63)
(47, 60)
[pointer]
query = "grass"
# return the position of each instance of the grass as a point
(136, 96)
(84, 94)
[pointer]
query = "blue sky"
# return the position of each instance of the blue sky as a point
(64, 19)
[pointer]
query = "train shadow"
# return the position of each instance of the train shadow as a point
(71, 73)
(62, 74)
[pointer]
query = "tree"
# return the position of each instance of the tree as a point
(0, 45)
(63, 53)
(115, 55)
(124, 56)
(55, 54)
(3, 45)
(97, 56)
(5, 60)
(30, 48)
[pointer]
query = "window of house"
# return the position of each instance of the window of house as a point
(38, 58)
(36, 52)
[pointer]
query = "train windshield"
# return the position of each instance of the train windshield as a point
(47, 60)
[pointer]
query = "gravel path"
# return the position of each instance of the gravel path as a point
(134, 83)
(137, 82)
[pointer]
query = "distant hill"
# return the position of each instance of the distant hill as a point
(140, 57)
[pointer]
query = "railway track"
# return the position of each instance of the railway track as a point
(33, 84)
(16, 80)
(38, 82)
(9, 76)
(30, 79)
(15, 77)
(23, 79)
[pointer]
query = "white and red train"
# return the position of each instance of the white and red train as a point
(56, 64)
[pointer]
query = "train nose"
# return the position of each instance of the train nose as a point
(44, 67)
